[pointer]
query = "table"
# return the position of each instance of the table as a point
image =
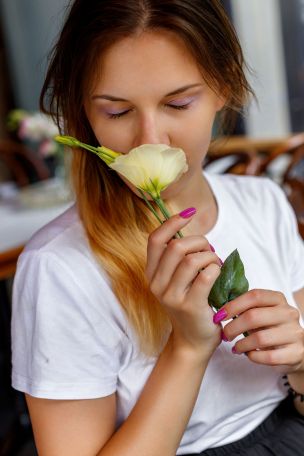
(18, 222)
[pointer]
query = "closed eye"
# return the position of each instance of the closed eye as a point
(184, 106)
(181, 103)
(116, 115)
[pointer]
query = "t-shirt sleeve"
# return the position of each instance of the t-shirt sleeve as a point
(290, 239)
(64, 345)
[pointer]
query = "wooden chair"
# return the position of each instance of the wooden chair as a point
(23, 165)
(260, 158)
(8, 261)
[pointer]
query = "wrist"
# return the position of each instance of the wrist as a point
(197, 355)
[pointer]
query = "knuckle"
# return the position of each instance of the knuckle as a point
(251, 315)
(255, 295)
(280, 297)
(209, 275)
(272, 358)
(191, 261)
(154, 239)
(213, 257)
(294, 313)
(299, 335)
(301, 352)
(262, 340)
(205, 242)
(176, 246)
(203, 278)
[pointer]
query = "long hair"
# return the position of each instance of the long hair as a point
(116, 221)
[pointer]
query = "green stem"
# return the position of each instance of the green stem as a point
(150, 206)
(166, 214)
(101, 154)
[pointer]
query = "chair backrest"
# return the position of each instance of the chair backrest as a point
(24, 166)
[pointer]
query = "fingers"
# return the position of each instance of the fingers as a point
(289, 356)
(159, 239)
(258, 318)
(269, 338)
(187, 271)
(254, 298)
(280, 347)
(275, 335)
(181, 262)
(193, 266)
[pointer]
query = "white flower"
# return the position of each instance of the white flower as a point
(151, 167)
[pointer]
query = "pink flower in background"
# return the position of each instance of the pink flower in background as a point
(37, 127)
(47, 148)
(36, 131)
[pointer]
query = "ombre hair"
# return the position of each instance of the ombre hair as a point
(116, 221)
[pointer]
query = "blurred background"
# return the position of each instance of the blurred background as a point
(268, 140)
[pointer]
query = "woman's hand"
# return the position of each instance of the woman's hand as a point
(181, 273)
(275, 335)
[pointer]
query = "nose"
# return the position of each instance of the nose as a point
(151, 130)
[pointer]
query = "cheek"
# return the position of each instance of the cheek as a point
(111, 136)
(197, 139)
(114, 139)
(198, 133)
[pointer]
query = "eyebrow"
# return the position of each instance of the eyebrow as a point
(175, 92)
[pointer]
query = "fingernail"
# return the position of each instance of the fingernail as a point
(219, 316)
(187, 213)
(224, 338)
(234, 351)
(213, 250)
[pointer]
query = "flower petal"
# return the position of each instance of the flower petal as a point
(151, 167)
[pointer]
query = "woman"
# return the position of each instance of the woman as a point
(114, 342)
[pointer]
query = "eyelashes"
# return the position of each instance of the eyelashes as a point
(117, 115)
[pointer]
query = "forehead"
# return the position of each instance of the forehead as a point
(147, 60)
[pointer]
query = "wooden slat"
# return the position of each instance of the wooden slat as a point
(223, 145)
(8, 262)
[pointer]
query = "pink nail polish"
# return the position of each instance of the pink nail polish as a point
(234, 351)
(221, 262)
(224, 338)
(219, 316)
(212, 248)
(187, 213)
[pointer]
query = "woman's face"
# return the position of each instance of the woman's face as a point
(150, 91)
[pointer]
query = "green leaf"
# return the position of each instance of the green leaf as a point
(231, 283)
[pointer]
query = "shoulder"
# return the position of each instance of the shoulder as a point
(58, 272)
(62, 245)
(63, 233)
(246, 185)
(249, 191)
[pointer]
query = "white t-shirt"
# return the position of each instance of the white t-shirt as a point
(71, 339)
